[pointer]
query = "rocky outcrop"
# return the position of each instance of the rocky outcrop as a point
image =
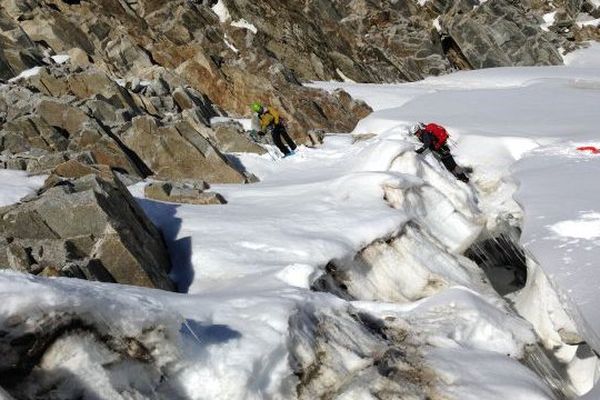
(17, 52)
(498, 34)
(68, 117)
(185, 39)
(183, 192)
(177, 151)
(86, 228)
(197, 57)
(231, 138)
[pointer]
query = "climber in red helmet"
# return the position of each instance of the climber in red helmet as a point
(434, 138)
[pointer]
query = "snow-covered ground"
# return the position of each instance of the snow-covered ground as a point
(524, 126)
(250, 327)
(16, 185)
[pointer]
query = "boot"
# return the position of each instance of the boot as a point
(459, 173)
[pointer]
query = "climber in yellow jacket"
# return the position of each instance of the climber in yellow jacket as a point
(268, 121)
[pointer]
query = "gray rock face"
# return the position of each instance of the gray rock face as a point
(88, 228)
(230, 137)
(177, 151)
(497, 34)
(185, 39)
(382, 41)
(183, 192)
(17, 52)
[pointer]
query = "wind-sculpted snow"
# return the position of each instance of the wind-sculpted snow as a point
(82, 340)
(539, 116)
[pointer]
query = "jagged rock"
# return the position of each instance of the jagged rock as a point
(76, 169)
(95, 134)
(185, 38)
(42, 132)
(230, 137)
(497, 34)
(92, 222)
(382, 41)
(178, 151)
(183, 192)
(18, 51)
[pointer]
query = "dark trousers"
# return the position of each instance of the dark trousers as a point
(448, 161)
(280, 132)
(446, 158)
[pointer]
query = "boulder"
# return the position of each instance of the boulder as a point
(183, 192)
(178, 151)
(230, 137)
(88, 228)
(18, 52)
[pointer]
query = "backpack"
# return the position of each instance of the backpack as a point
(441, 135)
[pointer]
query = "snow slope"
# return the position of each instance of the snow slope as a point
(249, 325)
(523, 126)
(246, 268)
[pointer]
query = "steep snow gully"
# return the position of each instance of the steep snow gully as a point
(413, 293)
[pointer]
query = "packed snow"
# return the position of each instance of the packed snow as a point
(14, 185)
(523, 126)
(221, 10)
(242, 23)
(26, 74)
(61, 58)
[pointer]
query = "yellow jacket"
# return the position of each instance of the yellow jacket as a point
(270, 117)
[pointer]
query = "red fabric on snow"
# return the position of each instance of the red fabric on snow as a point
(591, 149)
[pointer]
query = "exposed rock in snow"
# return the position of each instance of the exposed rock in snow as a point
(183, 192)
(68, 340)
(88, 228)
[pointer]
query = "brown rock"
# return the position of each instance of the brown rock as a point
(179, 152)
(179, 192)
(93, 223)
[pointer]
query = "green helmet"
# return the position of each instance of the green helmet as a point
(256, 107)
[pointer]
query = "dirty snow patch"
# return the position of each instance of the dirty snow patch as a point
(14, 185)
